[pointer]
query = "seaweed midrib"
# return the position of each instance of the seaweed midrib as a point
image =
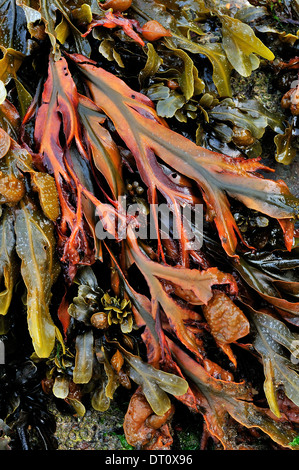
(232, 189)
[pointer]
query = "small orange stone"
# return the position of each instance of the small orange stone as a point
(4, 143)
(117, 361)
(173, 85)
(153, 30)
(99, 320)
(117, 5)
